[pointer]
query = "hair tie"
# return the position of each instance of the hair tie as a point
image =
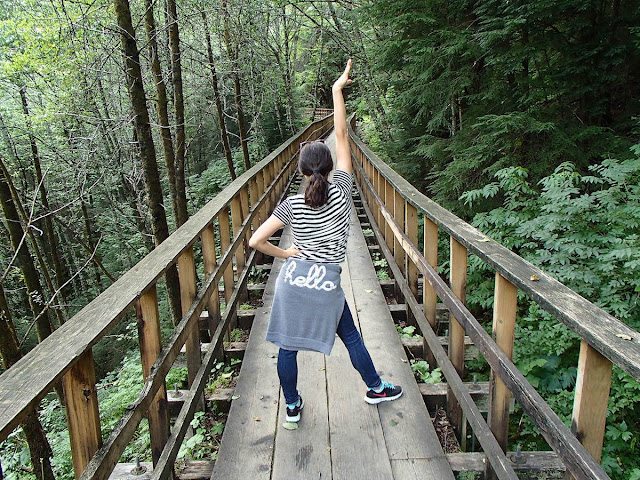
(315, 170)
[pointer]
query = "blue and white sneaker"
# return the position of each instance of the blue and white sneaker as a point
(293, 410)
(384, 393)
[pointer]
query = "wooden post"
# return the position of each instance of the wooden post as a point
(239, 254)
(378, 188)
(83, 417)
(150, 342)
(388, 202)
(210, 263)
(253, 193)
(504, 321)
(225, 241)
(398, 251)
(411, 230)
(458, 280)
(429, 297)
(187, 274)
(244, 203)
(591, 399)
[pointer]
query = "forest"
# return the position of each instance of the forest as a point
(121, 118)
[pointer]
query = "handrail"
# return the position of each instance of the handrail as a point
(603, 331)
(393, 209)
(66, 354)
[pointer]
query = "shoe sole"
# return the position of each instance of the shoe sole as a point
(295, 419)
(374, 401)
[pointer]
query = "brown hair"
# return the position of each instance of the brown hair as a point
(316, 162)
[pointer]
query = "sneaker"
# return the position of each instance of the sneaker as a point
(293, 414)
(389, 392)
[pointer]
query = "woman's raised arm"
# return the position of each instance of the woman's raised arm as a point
(343, 151)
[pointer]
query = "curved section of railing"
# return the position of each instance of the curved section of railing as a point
(395, 205)
(224, 223)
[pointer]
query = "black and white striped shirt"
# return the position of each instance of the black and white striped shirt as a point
(320, 233)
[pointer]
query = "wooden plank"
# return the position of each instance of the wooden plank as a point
(429, 297)
(411, 270)
(480, 428)
(83, 418)
(388, 201)
(521, 461)
(504, 322)
(405, 420)
(458, 282)
(210, 261)
(576, 458)
(604, 332)
(249, 436)
(150, 342)
(225, 241)
(591, 399)
(187, 274)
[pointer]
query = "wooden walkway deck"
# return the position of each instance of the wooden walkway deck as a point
(339, 435)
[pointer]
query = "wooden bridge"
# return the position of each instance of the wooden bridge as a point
(339, 435)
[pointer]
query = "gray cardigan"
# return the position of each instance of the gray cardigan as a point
(307, 306)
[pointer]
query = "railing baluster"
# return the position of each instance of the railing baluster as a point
(411, 230)
(591, 399)
(244, 203)
(458, 280)
(239, 254)
(210, 262)
(83, 417)
(398, 251)
(429, 297)
(225, 241)
(388, 202)
(504, 322)
(150, 342)
(253, 194)
(187, 274)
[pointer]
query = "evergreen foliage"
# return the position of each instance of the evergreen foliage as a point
(583, 229)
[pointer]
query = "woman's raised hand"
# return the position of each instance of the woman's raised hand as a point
(344, 79)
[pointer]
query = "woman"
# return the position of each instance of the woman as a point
(309, 306)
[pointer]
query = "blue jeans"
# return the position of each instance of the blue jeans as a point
(360, 359)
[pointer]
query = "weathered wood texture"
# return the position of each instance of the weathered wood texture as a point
(83, 419)
(408, 432)
(576, 458)
(602, 331)
(493, 451)
(150, 342)
(29, 380)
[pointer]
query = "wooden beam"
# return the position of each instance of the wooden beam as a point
(210, 261)
(458, 281)
(83, 417)
(411, 270)
(429, 297)
(574, 455)
(150, 342)
(504, 321)
(591, 399)
(187, 274)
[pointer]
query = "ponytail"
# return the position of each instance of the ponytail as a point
(316, 163)
(317, 192)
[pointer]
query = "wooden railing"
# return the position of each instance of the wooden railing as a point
(224, 223)
(395, 207)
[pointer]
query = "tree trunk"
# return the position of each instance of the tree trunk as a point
(90, 241)
(146, 146)
(29, 272)
(39, 447)
(216, 93)
(232, 51)
(162, 105)
(50, 240)
(178, 104)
